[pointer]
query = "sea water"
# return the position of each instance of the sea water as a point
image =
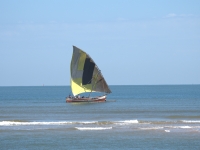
(133, 117)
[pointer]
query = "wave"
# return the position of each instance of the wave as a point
(18, 123)
(172, 128)
(126, 122)
(103, 123)
(132, 125)
(93, 128)
(167, 130)
(171, 122)
(129, 121)
(180, 127)
(152, 128)
(85, 122)
(191, 121)
(183, 127)
(12, 123)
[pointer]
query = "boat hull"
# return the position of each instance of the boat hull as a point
(87, 99)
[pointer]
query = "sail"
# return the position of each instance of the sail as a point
(85, 75)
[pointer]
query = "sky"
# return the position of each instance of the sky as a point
(133, 42)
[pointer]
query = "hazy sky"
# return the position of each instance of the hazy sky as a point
(133, 42)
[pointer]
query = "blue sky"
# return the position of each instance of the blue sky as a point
(134, 42)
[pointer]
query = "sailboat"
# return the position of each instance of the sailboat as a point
(86, 78)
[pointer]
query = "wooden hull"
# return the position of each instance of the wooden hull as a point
(87, 99)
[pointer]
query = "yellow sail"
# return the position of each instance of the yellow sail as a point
(85, 75)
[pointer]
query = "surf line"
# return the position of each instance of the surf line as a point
(93, 128)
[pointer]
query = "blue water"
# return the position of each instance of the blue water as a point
(134, 117)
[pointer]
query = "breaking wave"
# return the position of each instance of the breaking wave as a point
(93, 128)
(126, 122)
(18, 123)
(152, 128)
(191, 121)
(133, 125)
(26, 123)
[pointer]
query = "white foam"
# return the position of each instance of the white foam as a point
(185, 127)
(93, 128)
(131, 121)
(17, 123)
(127, 122)
(87, 122)
(191, 121)
(152, 128)
(179, 127)
(167, 130)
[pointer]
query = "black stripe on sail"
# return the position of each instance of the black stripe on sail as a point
(87, 71)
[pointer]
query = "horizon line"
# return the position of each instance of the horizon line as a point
(109, 85)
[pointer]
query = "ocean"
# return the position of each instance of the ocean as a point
(133, 117)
